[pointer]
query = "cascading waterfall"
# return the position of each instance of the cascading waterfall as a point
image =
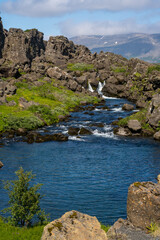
(90, 88)
(100, 87)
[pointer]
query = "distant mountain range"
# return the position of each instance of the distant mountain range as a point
(137, 45)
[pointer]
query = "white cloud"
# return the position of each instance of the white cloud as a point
(106, 27)
(43, 8)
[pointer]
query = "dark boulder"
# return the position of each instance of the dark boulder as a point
(73, 131)
(38, 138)
(84, 131)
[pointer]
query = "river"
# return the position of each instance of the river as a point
(90, 174)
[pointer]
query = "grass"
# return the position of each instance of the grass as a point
(10, 232)
(82, 67)
(140, 116)
(53, 101)
(119, 70)
(153, 68)
(105, 228)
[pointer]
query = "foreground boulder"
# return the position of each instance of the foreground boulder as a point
(124, 230)
(74, 225)
(143, 204)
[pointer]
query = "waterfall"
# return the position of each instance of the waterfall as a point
(100, 87)
(90, 88)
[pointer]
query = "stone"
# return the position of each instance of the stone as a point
(134, 126)
(84, 131)
(26, 104)
(74, 225)
(1, 164)
(127, 107)
(72, 85)
(121, 131)
(156, 136)
(124, 230)
(22, 46)
(10, 89)
(38, 138)
(153, 113)
(2, 37)
(73, 131)
(143, 204)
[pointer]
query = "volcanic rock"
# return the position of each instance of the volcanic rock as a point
(74, 225)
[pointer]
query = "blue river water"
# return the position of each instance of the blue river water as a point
(90, 174)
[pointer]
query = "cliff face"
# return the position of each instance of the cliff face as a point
(22, 47)
(2, 37)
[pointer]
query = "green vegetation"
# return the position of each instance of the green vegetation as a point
(153, 68)
(9, 232)
(138, 75)
(73, 215)
(140, 116)
(21, 72)
(82, 67)
(105, 228)
(24, 200)
(152, 228)
(119, 69)
(50, 102)
(29, 30)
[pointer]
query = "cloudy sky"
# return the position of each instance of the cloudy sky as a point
(82, 17)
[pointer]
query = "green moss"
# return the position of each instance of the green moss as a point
(10, 232)
(73, 215)
(29, 30)
(82, 67)
(138, 75)
(58, 225)
(21, 72)
(119, 70)
(137, 184)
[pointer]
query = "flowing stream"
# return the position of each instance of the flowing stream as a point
(89, 173)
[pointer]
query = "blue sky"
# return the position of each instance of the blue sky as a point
(82, 17)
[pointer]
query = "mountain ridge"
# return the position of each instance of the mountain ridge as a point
(132, 45)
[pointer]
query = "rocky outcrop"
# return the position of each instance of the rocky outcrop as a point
(143, 204)
(22, 46)
(2, 37)
(153, 114)
(74, 225)
(124, 230)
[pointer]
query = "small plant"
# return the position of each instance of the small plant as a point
(58, 225)
(152, 228)
(24, 200)
(73, 215)
(105, 228)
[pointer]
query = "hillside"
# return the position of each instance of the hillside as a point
(137, 45)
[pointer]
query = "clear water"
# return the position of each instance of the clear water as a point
(89, 174)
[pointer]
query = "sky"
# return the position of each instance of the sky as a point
(82, 17)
